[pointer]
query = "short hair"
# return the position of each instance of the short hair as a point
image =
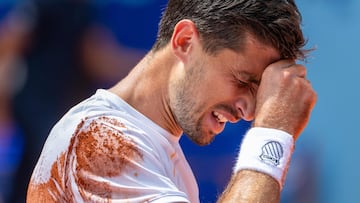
(225, 24)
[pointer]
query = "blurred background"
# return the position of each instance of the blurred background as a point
(55, 53)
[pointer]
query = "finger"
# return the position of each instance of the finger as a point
(285, 63)
(297, 70)
(301, 70)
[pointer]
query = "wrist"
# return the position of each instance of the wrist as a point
(282, 125)
(266, 150)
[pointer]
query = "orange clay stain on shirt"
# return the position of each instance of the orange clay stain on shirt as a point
(100, 149)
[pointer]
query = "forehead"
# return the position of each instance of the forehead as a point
(251, 61)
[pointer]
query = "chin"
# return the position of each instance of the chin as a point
(203, 139)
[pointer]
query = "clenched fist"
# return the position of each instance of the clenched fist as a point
(285, 98)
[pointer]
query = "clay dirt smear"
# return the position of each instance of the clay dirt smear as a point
(99, 149)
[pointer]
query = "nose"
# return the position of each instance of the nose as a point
(246, 108)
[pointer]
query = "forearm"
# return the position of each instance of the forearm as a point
(247, 186)
(261, 167)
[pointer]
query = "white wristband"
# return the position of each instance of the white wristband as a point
(266, 150)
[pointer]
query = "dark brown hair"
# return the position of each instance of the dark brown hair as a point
(225, 23)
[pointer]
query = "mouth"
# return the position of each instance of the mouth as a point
(220, 117)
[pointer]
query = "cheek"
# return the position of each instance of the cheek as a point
(218, 92)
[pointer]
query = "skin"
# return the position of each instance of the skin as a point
(181, 88)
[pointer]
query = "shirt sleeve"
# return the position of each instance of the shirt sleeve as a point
(108, 162)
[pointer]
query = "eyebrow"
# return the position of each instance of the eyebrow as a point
(248, 76)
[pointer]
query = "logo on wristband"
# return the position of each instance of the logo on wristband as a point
(272, 152)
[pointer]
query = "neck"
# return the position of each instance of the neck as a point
(146, 89)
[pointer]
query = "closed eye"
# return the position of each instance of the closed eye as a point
(242, 84)
(247, 80)
(251, 86)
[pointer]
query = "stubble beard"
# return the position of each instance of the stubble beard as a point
(192, 127)
(187, 111)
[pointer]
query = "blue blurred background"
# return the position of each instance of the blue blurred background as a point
(54, 53)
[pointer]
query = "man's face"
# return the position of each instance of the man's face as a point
(216, 89)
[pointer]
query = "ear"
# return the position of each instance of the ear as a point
(184, 37)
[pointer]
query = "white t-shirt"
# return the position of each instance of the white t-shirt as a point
(103, 150)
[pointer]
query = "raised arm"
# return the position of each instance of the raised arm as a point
(284, 103)
(251, 186)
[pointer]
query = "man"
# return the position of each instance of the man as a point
(213, 62)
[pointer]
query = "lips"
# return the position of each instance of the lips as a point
(215, 121)
(220, 117)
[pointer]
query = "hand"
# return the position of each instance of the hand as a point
(285, 98)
